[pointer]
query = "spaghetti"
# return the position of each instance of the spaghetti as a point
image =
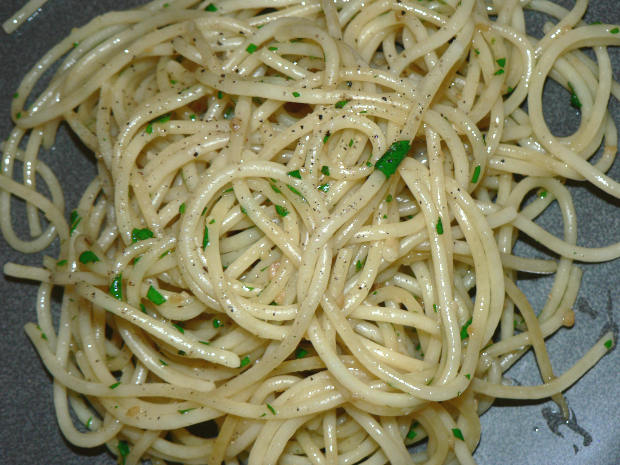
(295, 203)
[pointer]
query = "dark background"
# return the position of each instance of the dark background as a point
(511, 434)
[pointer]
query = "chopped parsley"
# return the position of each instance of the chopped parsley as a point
(61, 262)
(140, 234)
(275, 189)
(476, 51)
(468, 376)
(476, 175)
(323, 187)
(458, 434)
(229, 113)
(501, 62)
(464, 333)
(574, 100)
(295, 191)
(301, 353)
(439, 226)
(114, 385)
(217, 323)
(351, 143)
(341, 103)
(182, 208)
(211, 7)
(154, 296)
(205, 238)
(271, 409)
(542, 194)
(204, 342)
(273, 49)
(389, 198)
(608, 343)
(326, 138)
(359, 264)
(244, 361)
(251, 48)
(296, 94)
(123, 450)
(74, 220)
(411, 434)
(116, 288)
(325, 170)
(163, 362)
(435, 308)
(143, 308)
(16, 95)
(295, 174)
(282, 211)
(499, 71)
(390, 160)
(615, 30)
(184, 411)
(88, 257)
(89, 422)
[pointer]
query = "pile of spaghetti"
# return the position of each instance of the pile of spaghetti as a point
(301, 230)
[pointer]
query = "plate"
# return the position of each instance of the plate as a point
(512, 433)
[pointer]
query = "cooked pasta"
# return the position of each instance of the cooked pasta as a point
(302, 226)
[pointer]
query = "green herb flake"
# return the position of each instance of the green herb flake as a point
(574, 99)
(294, 174)
(244, 361)
(220, 95)
(501, 62)
(325, 170)
(204, 342)
(358, 265)
(16, 95)
(351, 143)
(43, 336)
(295, 191)
(542, 194)
(116, 288)
(211, 7)
(230, 189)
(163, 362)
(476, 51)
(476, 175)
(115, 385)
(244, 211)
(270, 407)
(166, 5)
(608, 343)
(282, 211)
(89, 423)
(499, 71)
(18, 115)
(435, 308)
(296, 94)
(182, 208)
(411, 434)
(468, 376)
(141, 234)
(179, 328)
(74, 220)
(464, 333)
(184, 411)
(192, 117)
(251, 48)
(154, 296)
(341, 103)
(143, 308)
(217, 323)
(615, 30)
(149, 129)
(458, 434)
(173, 82)
(229, 113)
(439, 226)
(123, 450)
(326, 138)
(205, 238)
(273, 49)
(389, 198)
(301, 353)
(61, 262)
(390, 160)
(88, 257)
(323, 187)
(137, 259)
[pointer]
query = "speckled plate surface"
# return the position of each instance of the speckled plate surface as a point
(512, 433)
